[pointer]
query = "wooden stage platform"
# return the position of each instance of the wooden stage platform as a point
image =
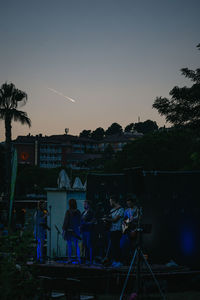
(105, 280)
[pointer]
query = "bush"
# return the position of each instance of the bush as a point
(17, 279)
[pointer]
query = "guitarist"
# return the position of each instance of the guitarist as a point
(115, 218)
(129, 225)
(131, 214)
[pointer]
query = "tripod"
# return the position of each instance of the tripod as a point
(136, 261)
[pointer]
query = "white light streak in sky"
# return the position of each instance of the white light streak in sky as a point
(60, 94)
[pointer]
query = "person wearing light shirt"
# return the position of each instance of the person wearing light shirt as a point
(127, 243)
(116, 218)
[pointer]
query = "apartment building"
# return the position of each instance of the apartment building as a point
(65, 150)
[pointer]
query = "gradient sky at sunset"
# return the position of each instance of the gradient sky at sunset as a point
(112, 56)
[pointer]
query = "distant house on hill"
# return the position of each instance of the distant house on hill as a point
(118, 141)
(66, 150)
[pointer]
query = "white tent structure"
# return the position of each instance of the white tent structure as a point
(63, 180)
(78, 184)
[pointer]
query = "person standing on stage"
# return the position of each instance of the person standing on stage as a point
(115, 217)
(131, 213)
(87, 224)
(71, 229)
(129, 225)
(40, 229)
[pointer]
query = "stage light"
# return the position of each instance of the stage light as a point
(187, 242)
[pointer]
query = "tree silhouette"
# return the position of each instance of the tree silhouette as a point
(98, 134)
(85, 133)
(183, 109)
(10, 99)
(147, 126)
(162, 150)
(129, 128)
(114, 128)
(142, 127)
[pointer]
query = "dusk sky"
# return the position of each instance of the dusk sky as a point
(114, 57)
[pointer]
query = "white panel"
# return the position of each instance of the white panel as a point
(59, 202)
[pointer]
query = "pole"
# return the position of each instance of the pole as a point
(50, 231)
(12, 187)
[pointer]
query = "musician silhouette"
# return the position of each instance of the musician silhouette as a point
(127, 243)
(40, 229)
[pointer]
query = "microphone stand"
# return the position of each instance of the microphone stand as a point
(50, 232)
(58, 233)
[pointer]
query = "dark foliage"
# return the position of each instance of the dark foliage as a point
(183, 109)
(85, 133)
(114, 128)
(10, 100)
(98, 134)
(130, 128)
(145, 127)
(167, 150)
(18, 281)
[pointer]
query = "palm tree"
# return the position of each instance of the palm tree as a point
(10, 99)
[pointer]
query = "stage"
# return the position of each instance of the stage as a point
(99, 279)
